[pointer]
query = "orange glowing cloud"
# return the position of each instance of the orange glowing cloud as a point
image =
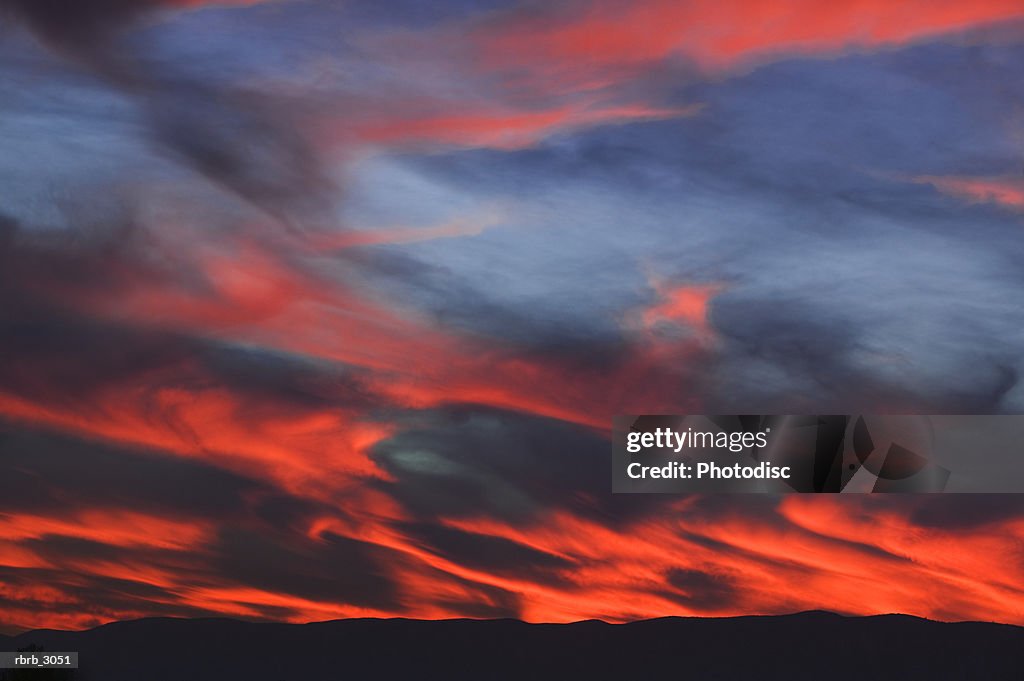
(681, 304)
(258, 294)
(807, 553)
(821, 557)
(560, 69)
(970, 564)
(307, 452)
(118, 528)
(722, 33)
(1004, 191)
(509, 129)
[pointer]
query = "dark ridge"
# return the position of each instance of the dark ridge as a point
(810, 645)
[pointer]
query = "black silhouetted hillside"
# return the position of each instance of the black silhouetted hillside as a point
(814, 645)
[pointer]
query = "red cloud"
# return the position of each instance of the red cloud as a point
(681, 304)
(509, 129)
(1005, 191)
(558, 69)
(813, 554)
(828, 554)
(721, 33)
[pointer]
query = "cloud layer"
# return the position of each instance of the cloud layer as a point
(310, 313)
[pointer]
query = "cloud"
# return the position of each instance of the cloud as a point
(591, 36)
(206, 414)
(333, 569)
(78, 24)
(238, 138)
(962, 512)
(1006, 191)
(509, 130)
(493, 555)
(701, 590)
(50, 473)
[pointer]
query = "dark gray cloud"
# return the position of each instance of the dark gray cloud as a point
(494, 555)
(78, 24)
(965, 512)
(332, 569)
(701, 590)
(242, 140)
(52, 474)
(467, 461)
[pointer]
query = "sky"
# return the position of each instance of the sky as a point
(314, 310)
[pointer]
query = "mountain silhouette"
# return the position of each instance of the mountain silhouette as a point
(811, 645)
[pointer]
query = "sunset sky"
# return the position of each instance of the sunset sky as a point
(313, 309)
